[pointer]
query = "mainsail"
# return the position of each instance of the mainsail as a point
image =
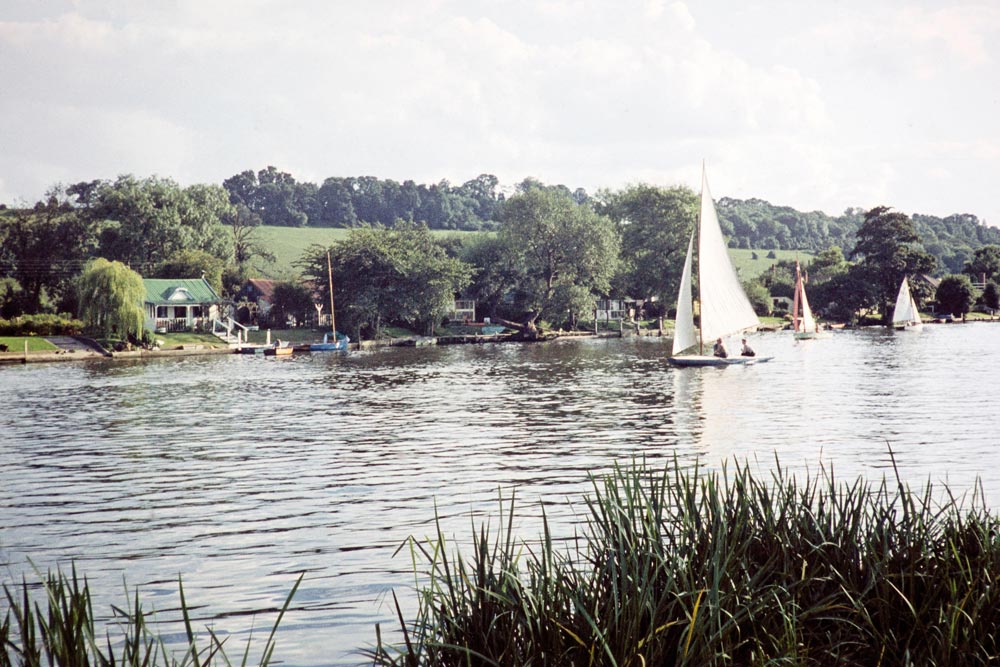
(807, 322)
(905, 311)
(725, 308)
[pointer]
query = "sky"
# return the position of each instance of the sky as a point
(819, 105)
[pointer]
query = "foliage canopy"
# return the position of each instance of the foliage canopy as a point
(111, 297)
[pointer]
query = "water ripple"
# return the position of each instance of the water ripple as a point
(239, 472)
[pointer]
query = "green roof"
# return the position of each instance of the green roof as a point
(162, 291)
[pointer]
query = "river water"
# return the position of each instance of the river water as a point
(240, 472)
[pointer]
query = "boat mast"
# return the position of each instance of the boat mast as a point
(795, 299)
(329, 274)
(701, 209)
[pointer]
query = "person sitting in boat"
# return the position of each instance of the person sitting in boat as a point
(719, 349)
(747, 350)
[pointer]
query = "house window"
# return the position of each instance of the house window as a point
(161, 312)
(180, 312)
(196, 311)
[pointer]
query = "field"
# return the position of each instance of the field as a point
(747, 267)
(288, 244)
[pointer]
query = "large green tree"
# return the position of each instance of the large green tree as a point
(495, 273)
(955, 295)
(383, 276)
(111, 297)
(290, 300)
(144, 221)
(985, 262)
(244, 225)
(44, 250)
(887, 249)
(564, 254)
(192, 264)
(991, 296)
(654, 224)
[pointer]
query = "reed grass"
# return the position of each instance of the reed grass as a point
(62, 630)
(690, 567)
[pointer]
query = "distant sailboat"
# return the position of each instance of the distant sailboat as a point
(725, 308)
(803, 322)
(905, 315)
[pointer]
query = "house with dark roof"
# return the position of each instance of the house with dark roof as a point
(180, 304)
(254, 300)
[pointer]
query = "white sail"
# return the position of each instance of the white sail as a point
(725, 308)
(905, 311)
(916, 322)
(808, 321)
(685, 334)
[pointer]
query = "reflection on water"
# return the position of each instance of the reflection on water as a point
(239, 472)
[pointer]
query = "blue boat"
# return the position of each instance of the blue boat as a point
(339, 341)
(330, 346)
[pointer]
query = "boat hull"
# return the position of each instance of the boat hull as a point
(278, 351)
(811, 335)
(696, 360)
(329, 347)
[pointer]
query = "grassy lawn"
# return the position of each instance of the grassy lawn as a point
(35, 344)
(174, 340)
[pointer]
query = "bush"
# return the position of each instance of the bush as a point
(41, 325)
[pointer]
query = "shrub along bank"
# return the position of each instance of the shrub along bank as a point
(686, 567)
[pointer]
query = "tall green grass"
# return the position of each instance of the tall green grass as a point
(61, 630)
(688, 567)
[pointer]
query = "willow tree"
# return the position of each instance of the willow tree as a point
(111, 297)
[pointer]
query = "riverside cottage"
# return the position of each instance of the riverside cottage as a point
(180, 304)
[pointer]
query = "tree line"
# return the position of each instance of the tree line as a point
(754, 223)
(549, 254)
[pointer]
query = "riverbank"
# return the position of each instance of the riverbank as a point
(79, 348)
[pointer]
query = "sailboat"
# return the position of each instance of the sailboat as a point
(905, 315)
(336, 341)
(725, 308)
(803, 322)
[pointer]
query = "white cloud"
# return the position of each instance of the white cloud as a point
(814, 106)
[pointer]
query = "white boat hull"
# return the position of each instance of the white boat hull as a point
(693, 360)
(811, 335)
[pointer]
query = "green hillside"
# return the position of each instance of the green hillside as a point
(747, 267)
(288, 243)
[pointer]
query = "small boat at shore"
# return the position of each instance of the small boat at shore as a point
(279, 349)
(338, 345)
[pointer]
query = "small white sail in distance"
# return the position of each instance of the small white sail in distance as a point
(905, 311)
(808, 322)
